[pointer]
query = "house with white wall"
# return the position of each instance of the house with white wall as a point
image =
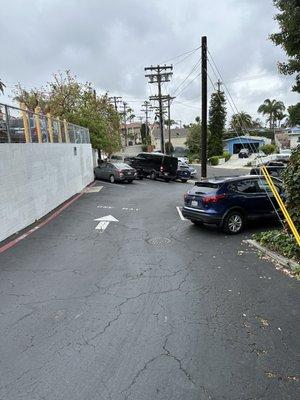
(294, 135)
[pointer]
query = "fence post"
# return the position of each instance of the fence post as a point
(59, 130)
(50, 127)
(25, 122)
(66, 131)
(38, 123)
(7, 124)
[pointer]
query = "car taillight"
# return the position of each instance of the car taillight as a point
(185, 196)
(161, 169)
(213, 199)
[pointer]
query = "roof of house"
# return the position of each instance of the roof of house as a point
(175, 133)
(132, 125)
(252, 138)
(293, 131)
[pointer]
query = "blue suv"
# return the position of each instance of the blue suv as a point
(229, 202)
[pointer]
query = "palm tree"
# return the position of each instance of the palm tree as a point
(241, 122)
(273, 110)
(2, 86)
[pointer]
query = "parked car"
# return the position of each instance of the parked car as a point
(230, 201)
(184, 160)
(114, 171)
(154, 165)
(183, 172)
(275, 168)
(244, 153)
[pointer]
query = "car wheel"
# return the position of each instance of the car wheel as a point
(153, 175)
(184, 180)
(198, 223)
(167, 179)
(233, 222)
(129, 181)
(112, 179)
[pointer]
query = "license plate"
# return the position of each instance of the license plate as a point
(194, 203)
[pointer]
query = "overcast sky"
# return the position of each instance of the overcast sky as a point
(109, 42)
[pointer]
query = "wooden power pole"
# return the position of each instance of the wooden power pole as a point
(159, 75)
(204, 108)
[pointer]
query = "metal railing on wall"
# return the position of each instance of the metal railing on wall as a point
(19, 125)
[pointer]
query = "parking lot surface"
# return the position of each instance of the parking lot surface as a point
(120, 298)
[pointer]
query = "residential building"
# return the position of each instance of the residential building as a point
(294, 135)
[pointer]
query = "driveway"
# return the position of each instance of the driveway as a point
(149, 307)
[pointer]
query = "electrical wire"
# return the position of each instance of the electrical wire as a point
(238, 136)
(186, 78)
(189, 52)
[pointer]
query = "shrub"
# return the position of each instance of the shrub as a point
(291, 182)
(268, 148)
(144, 147)
(280, 241)
(226, 155)
(214, 160)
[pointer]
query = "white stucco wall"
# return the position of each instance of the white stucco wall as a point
(294, 140)
(36, 178)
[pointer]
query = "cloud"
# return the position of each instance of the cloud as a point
(110, 42)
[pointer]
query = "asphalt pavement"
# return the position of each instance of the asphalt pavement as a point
(150, 308)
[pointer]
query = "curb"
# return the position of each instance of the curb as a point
(281, 260)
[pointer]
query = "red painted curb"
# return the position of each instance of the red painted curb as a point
(52, 216)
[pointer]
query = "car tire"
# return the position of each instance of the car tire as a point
(167, 179)
(198, 223)
(130, 181)
(112, 179)
(153, 176)
(184, 180)
(233, 223)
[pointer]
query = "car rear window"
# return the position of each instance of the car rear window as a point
(121, 165)
(207, 187)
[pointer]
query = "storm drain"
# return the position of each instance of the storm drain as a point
(158, 241)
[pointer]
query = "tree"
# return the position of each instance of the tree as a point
(31, 98)
(98, 114)
(241, 122)
(289, 37)
(145, 134)
(169, 148)
(2, 86)
(273, 110)
(291, 181)
(294, 114)
(193, 138)
(216, 123)
(169, 122)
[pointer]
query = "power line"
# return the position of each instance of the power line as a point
(238, 136)
(182, 54)
(190, 73)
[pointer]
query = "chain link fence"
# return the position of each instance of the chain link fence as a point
(19, 125)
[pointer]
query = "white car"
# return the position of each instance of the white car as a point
(183, 159)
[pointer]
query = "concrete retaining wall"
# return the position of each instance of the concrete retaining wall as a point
(36, 178)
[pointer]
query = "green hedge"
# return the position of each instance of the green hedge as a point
(214, 160)
(226, 155)
(281, 242)
(268, 148)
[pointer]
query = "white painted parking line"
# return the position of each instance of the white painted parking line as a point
(180, 214)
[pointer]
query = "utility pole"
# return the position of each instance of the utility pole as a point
(146, 108)
(125, 121)
(204, 108)
(219, 83)
(116, 100)
(159, 75)
(169, 99)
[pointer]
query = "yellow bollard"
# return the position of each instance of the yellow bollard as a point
(38, 123)
(24, 115)
(66, 131)
(281, 204)
(50, 127)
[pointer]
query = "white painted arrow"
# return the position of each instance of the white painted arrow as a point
(104, 222)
